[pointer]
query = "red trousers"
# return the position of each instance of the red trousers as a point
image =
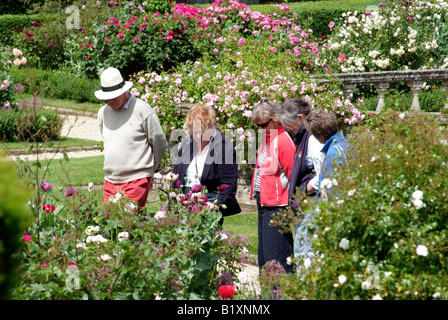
(136, 190)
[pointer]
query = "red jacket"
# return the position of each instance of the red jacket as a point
(272, 191)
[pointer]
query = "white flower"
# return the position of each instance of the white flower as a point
(388, 273)
(244, 277)
(377, 297)
(96, 239)
(422, 250)
(130, 207)
(365, 285)
(160, 215)
(342, 278)
(373, 159)
(91, 229)
(90, 187)
(170, 176)
(123, 236)
(418, 203)
(105, 257)
(436, 295)
(307, 263)
(116, 197)
(81, 245)
(417, 194)
(344, 244)
(374, 53)
(288, 261)
(351, 192)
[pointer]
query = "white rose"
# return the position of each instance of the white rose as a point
(418, 204)
(105, 257)
(344, 244)
(417, 194)
(422, 250)
(123, 236)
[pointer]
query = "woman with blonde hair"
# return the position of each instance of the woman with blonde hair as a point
(207, 158)
(270, 183)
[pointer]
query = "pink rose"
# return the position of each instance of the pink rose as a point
(331, 24)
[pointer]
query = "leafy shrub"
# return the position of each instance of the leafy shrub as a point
(394, 38)
(385, 235)
(59, 85)
(29, 125)
(14, 219)
(80, 249)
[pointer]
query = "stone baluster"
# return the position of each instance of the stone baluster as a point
(347, 89)
(381, 88)
(415, 86)
(445, 85)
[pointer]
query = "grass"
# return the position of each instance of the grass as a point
(62, 103)
(64, 142)
(245, 223)
(71, 172)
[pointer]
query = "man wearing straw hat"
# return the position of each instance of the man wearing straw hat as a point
(134, 142)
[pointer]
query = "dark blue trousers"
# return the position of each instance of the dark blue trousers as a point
(272, 243)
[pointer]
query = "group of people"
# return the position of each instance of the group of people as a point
(286, 169)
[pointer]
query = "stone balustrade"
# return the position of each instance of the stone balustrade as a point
(382, 79)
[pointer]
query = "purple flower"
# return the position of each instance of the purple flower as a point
(69, 192)
(223, 187)
(45, 185)
(197, 188)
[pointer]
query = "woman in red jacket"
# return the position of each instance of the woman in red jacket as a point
(270, 183)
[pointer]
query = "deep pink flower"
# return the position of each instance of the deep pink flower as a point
(226, 291)
(409, 18)
(69, 192)
(331, 24)
(223, 187)
(107, 39)
(45, 185)
(136, 40)
(27, 238)
(341, 57)
(197, 188)
(48, 208)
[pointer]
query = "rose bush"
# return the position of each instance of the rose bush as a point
(9, 58)
(401, 35)
(384, 236)
(78, 249)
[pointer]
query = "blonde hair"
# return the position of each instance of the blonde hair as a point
(266, 110)
(203, 114)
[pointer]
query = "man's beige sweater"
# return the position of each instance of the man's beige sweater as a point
(134, 142)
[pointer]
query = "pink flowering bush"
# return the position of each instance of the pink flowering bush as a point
(9, 58)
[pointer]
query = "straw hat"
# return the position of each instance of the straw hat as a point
(112, 84)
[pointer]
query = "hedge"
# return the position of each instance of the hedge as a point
(56, 84)
(29, 125)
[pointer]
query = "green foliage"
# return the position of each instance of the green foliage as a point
(13, 23)
(80, 249)
(14, 218)
(384, 234)
(33, 125)
(58, 85)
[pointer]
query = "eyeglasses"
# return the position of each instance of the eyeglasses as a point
(263, 125)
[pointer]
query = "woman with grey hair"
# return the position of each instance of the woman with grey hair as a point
(270, 183)
(308, 158)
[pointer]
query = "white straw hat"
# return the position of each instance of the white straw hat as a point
(112, 84)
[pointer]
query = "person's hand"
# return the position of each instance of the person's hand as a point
(310, 189)
(212, 206)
